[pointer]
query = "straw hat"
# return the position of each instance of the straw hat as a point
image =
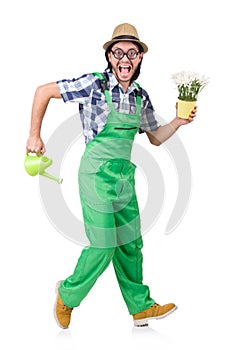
(125, 32)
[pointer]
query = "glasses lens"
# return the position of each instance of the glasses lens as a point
(132, 54)
(118, 53)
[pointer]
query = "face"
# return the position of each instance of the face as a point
(124, 68)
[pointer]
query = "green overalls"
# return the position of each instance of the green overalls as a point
(110, 212)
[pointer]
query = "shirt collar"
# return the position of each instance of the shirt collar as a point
(112, 82)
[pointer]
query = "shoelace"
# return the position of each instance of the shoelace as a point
(66, 308)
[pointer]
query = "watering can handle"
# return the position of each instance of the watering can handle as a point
(30, 153)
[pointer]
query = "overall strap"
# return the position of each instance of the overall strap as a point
(105, 89)
(138, 98)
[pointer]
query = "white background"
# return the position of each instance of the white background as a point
(43, 41)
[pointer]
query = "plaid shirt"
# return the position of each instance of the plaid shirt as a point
(93, 107)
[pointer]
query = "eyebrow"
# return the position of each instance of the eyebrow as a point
(117, 47)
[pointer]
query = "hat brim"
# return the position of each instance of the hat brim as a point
(108, 43)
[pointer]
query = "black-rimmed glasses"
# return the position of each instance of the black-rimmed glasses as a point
(130, 54)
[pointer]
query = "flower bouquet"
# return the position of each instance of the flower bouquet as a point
(189, 85)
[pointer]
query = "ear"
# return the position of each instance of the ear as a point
(141, 56)
(109, 55)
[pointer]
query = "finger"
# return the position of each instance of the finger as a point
(194, 110)
(43, 149)
(38, 151)
(192, 115)
(29, 150)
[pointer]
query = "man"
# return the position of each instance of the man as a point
(113, 108)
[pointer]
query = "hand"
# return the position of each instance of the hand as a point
(35, 145)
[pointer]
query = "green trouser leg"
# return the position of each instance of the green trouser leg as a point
(91, 264)
(127, 261)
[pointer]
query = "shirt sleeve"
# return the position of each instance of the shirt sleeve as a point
(77, 89)
(148, 115)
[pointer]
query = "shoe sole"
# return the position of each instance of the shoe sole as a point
(54, 309)
(143, 322)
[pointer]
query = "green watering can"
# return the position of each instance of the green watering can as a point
(35, 165)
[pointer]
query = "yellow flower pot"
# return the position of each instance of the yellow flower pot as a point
(185, 108)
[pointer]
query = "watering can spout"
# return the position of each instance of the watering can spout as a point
(35, 165)
(49, 176)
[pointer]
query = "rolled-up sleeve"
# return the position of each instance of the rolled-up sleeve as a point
(76, 90)
(148, 115)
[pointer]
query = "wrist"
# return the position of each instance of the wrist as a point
(34, 133)
(175, 123)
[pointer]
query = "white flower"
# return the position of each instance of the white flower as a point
(187, 77)
(189, 84)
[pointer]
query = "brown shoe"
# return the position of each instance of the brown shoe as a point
(155, 311)
(62, 312)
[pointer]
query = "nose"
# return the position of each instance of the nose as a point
(123, 57)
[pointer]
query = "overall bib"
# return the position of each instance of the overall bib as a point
(110, 212)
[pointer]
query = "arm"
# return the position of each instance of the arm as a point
(42, 97)
(164, 132)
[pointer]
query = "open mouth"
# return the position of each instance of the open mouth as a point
(125, 69)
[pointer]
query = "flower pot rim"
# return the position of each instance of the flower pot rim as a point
(186, 100)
